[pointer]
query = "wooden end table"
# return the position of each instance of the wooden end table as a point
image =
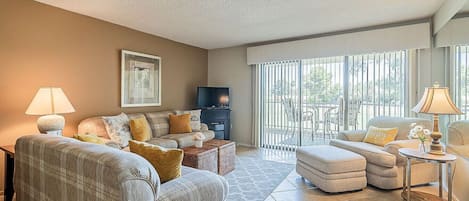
(414, 154)
(9, 169)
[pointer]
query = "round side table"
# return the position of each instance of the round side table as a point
(414, 154)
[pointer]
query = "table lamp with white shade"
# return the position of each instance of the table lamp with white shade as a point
(437, 101)
(50, 102)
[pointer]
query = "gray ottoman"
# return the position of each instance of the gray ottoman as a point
(331, 169)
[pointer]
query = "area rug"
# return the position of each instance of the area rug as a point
(254, 179)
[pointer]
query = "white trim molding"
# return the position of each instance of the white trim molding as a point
(413, 36)
(456, 32)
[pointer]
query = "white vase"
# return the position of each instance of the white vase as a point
(198, 143)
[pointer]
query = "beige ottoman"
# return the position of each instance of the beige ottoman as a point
(331, 169)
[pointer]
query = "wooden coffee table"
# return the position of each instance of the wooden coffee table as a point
(204, 158)
(226, 155)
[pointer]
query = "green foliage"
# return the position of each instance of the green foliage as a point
(283, 88)
(319, 87)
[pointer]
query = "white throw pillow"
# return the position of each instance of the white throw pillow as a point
(118, 129)
(195, 118)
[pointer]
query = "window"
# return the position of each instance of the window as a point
(308, 101)
(460, 85)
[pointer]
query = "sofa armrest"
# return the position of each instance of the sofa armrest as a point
(352, 135)
(460, 150)
(394, 146)
(203, 127)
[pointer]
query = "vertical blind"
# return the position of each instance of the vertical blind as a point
(299, 99)
(460, 83)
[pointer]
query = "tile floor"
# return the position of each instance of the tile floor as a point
(294, 188)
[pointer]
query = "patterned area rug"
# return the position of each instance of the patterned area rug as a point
(254, 179)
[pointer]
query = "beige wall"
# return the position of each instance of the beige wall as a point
(228, 67)
(46, 46)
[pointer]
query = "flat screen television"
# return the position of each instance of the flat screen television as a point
(213, 97)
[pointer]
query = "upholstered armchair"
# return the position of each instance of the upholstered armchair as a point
(385, 166)
(458, 138)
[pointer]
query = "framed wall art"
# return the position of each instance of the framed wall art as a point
(140, 79)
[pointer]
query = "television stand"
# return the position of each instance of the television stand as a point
(218, 120)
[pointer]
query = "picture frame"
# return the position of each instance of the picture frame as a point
(140, 79)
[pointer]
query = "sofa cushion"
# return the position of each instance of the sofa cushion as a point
(180, 123)
(382, 171)
(167, 162)
(401, 123)
(195, 118)
(93, 126)
(380, 136)
(140, 129)
(118, 128)
(90, 138)
(373, 154)
(167, 143)
(187, 139)
(138, 116)
(159, 122)
(195, 185)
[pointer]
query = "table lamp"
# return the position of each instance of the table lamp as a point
(224, 100)
(437, 101)
(50, 102)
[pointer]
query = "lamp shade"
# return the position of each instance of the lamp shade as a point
(50, 101)
(436, 100)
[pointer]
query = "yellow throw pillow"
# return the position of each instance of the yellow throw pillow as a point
(90, 138)
(180, 123)
(140, 129)
(167, 162)
(380, 136)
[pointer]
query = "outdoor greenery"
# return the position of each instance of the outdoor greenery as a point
(374, 80)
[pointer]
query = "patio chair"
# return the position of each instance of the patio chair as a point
(293, 115)
(336, 118)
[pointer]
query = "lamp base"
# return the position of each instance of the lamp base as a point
(436, 147)
(48, 123)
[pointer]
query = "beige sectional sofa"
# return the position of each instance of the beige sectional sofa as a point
(60, 168)
(159, 124)
(384, 167)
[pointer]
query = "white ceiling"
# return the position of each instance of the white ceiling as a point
(214, 24)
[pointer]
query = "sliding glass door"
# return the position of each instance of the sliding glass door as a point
(306, 102)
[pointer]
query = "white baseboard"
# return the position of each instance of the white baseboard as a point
(245, 145)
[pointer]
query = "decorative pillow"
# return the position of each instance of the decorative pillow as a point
(140, 129)
(380, 136)
(179, 123)
(90, 138)
(167, 162)
(118, 129)
(195, 118)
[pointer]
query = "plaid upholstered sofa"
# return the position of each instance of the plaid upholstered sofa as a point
(159, 124)
(59, 168)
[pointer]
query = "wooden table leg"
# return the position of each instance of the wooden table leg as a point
(9, 168)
